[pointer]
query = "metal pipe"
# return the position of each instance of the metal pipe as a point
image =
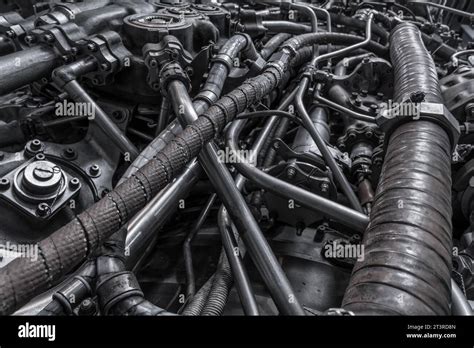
(338, 212)
(23, 67)
(242, 282)
(330, 161)
(452, 10)
(355, 115)
(143, 225)
(78, 94)
(260, 251)
(459, 305)
(188, 258)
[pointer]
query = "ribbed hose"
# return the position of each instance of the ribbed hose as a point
(407, 261)
(23, 278)
(221, 285)
(195, 307)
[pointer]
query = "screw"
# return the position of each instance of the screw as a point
(43, 210)
(4, 184)
(74, 183)
(94, 170)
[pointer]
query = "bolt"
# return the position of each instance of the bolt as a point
(94, 170)
(290, 172)
(40, 157)
(49, 38)
(87, 307)
(69, 153)
(380, 95)
(74, 183)
(4, 184)
(324, 187)
(92, 47)
(364, 92)
(358, 101)
(29, 39)
(35, 145)
(10, 34)
(189, 71)
(153, 63)
(43, 210)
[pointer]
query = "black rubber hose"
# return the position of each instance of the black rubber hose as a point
(273, 44)
(286, 27)
(21, 279)
(407, 261)
(118, 291)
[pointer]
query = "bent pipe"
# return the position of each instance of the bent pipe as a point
(263, 257)
(141, 228)
(213, 85)
(407, 263)
(338, 212)
(66, 78)
(22, 278)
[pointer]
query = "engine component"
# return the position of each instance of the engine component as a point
(219, 158)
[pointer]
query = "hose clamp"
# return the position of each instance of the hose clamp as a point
(116, 288)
